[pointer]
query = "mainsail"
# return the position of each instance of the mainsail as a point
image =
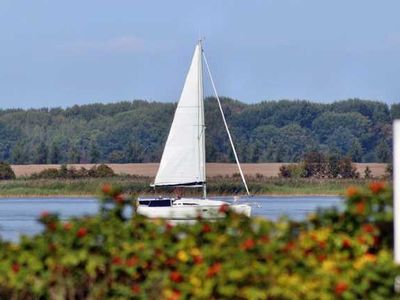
(183, 160)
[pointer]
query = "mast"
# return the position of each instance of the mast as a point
(202, 126)
(226, 125)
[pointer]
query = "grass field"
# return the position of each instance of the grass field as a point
(140, 185)
(222, 179)
(213, 169)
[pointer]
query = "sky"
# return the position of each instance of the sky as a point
(62, 53)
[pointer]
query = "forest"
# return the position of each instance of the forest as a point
(135, 131)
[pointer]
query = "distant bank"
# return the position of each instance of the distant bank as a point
(213, 169)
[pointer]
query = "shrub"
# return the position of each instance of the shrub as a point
(101, 171)
(6, 172)
(335, 254)
(367, 173)
(71, 173)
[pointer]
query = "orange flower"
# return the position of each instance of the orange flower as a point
(67, 226)
(116, 260)
(214, 269)
(376, 187)
(370, 257)
(340, 288)
(132, 261)
(322, 244)
(106, 188)
(247, 244)
(81, 232)
(351, 191)
(360, 207)
(368, 228)
(176, 295)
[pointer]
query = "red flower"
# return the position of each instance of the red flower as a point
(116, 260)
(81, 232)
(351, 191)
(360, 208)
(15, 267)
(376, 187)
(170, 261)
(321, 258)
(264, 239)
(214, 269)
(340, 288)
(289, 246)
(346, 244)
(247, 244)
(168, 226)
(206, 228)
(197, 259)
(119, 199)
(106, 188)
(132, 261)
(175, 276)
(368, 228)
(44, 214)
(52, 226)
(223, 208)
(135, 288)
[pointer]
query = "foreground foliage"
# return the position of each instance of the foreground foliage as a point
(335, 254)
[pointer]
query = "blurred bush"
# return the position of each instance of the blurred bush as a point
(334, 254)
(6, 172)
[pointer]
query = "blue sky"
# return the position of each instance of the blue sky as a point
(61, 53)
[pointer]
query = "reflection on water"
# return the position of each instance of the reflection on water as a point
(18, 215)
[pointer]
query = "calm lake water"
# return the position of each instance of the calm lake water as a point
(19, 215)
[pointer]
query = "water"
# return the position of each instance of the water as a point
(19, 215)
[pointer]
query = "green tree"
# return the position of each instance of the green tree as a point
(383, 152)
(41, 153)
(74, 155)
(355, 151)
(94, 154)
(55, 155)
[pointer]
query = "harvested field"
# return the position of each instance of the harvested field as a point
(213, 169)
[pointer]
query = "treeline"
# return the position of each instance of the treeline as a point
(270, 131)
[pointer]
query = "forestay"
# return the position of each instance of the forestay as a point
(183, 159)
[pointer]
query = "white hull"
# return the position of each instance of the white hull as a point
(191, 209)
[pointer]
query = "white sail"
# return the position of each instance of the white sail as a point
(183, 159)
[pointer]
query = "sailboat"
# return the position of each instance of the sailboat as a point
(183, 162)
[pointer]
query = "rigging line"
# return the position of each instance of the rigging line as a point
(226, 125)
